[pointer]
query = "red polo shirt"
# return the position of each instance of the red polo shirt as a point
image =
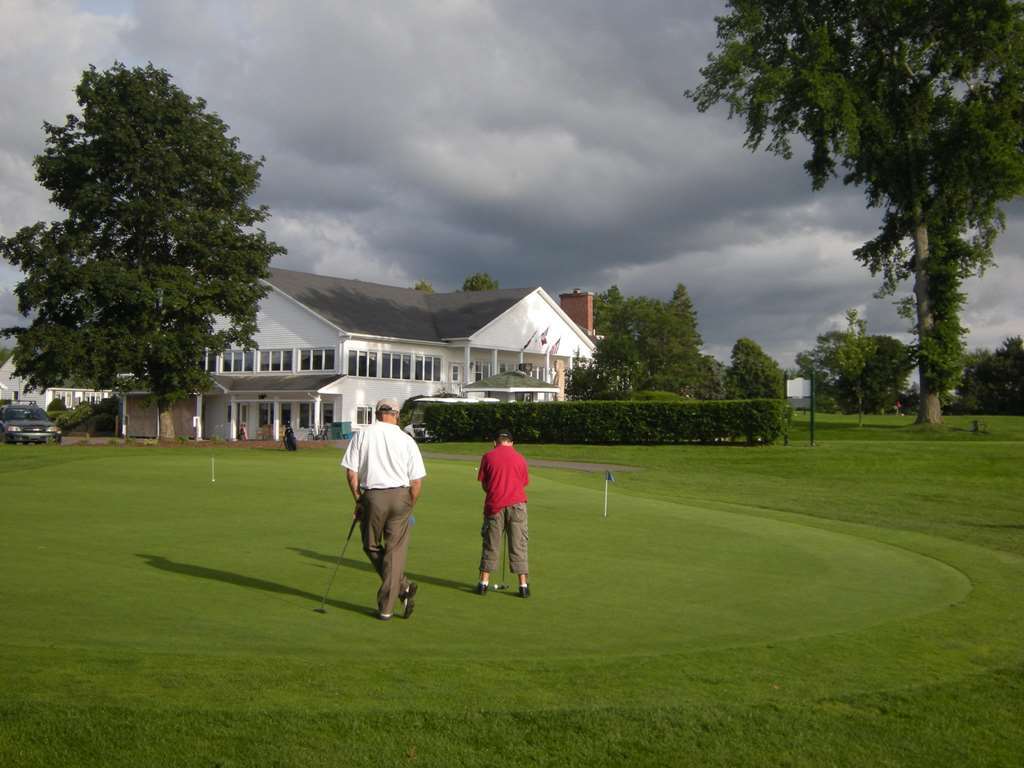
(505, 477)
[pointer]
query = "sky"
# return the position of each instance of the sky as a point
(545, 143)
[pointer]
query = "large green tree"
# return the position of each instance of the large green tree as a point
(648, 344)
(159, 257)
(479, 281)
(921, 103)
(993, 382)
(752, 373)
(853, 353)
(874, 389)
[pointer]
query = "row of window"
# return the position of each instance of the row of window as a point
(394, 365)
(265, 414)
(270, 360)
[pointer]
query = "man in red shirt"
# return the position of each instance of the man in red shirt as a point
(504, 477)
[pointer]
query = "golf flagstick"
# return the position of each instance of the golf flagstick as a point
(341, 557)
(607, 476)
(213, 470)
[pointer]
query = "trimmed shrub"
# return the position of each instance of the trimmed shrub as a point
(56, 406)
(103, 424)
(656, 396)
(71, 419)
(611, 422)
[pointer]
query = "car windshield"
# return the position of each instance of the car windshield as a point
(25, 414)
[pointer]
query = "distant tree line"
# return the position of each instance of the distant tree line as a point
(858, 373)
(993, 382)
(651, 349)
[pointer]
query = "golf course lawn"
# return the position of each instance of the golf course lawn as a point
(857, 603)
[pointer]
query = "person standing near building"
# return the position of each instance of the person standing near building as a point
(385, 474)
(504, 476)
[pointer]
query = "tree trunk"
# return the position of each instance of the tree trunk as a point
(929, 410)
(166, 421)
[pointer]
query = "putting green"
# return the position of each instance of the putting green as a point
(138, 552)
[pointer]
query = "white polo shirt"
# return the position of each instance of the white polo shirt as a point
(384, 457)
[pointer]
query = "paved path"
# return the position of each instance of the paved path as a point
(577, 465)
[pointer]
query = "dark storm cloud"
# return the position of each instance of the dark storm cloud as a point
(546, 143)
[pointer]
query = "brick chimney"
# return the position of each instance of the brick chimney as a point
(579, 305)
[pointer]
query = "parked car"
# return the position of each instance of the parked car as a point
(27, 423)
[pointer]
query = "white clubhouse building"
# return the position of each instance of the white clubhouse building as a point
(328, 348)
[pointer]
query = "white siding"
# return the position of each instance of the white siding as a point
(532, 316)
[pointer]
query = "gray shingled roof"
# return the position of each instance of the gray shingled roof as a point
(384, 310)
(510, 380)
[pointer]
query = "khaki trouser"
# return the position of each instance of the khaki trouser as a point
(512, 522)
(384, 524)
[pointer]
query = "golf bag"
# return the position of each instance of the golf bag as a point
(289, 438)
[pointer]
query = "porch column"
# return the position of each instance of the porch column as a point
(316, 415)
(233, 423)
(277, 420)
(466, 375)
(199, 416)
(494, 362)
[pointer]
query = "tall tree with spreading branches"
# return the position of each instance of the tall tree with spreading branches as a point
(159, 257)
(921, 103)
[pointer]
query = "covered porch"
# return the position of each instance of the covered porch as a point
(259, 407)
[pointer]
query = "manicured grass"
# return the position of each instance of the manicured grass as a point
(859, 603)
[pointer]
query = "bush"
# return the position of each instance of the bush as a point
(103, 424)
(609, 422)
(655, 396)
(70, 419)
(56, 406)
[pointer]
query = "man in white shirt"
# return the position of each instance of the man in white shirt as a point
(385, 475)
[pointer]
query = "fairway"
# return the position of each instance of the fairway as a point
(139, 585)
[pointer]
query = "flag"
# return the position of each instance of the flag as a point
(609, 476)
(529, 340)
(554, 347)
(544, 336)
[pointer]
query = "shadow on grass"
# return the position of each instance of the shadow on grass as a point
(362, 565)
(199, 571)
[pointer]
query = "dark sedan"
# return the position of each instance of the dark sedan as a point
(21, 423)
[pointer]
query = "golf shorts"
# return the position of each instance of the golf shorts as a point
(510, 522)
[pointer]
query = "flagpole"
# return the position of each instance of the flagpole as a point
(606, 494)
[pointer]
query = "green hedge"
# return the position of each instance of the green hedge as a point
(613, 421)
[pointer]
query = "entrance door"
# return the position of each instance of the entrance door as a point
(243, 420)
(456, 380)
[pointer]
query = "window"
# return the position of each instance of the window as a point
(362, 363)
(364, 415)
(328, 413)
(427, 368)
(406, 366)
(391, 365)
(237, 360)
(266, 415)
(286, 413)
(275, 360)
(479, 370)
(210, 362)
(304, 420)
(318, 360)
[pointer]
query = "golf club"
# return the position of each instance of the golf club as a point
(341, 557)
(501, 584)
